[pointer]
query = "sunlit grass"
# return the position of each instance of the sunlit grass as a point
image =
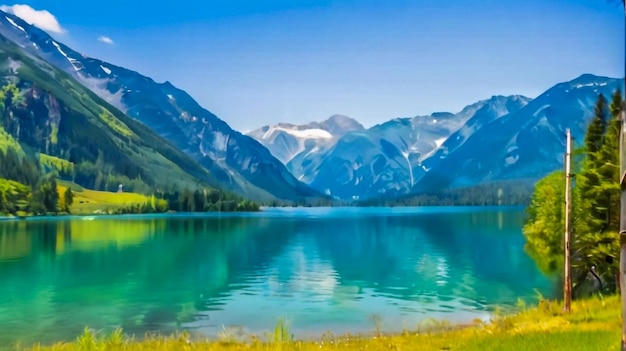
(593, 325)
(55, 163)
(7, 141)
(115, 123)
(91, 201)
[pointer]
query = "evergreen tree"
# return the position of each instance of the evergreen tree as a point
(595, 241)
(68, 198)
(597, 128)
(3, 203)
(595, 206)
(609, 168)
(592, 210)
(190, 203)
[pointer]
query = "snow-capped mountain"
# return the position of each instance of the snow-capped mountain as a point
(501, 138)
(386, 160)
(288, 141)
(383, 160)
(238, 161)
(526, 144)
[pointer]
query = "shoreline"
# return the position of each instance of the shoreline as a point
(593, 324)
(262, 209)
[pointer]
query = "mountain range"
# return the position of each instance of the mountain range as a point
(112, 123)
(496, 139)
(526, 144)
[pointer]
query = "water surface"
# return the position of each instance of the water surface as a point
(321, 268)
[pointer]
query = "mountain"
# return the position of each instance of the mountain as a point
(287, 141)
(47, 115)
(338, 125)
(526, 144)
(387, 158)
(236, 160)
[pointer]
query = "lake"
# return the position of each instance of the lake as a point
(336, 269)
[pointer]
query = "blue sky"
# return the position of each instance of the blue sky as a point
(261, 62)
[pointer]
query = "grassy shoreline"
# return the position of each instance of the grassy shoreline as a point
(593, 324)
(95, 203)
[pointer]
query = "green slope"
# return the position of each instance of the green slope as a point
(50, 113)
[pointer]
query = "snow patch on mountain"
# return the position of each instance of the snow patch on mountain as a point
(301, 134)
(15, 24)
(220, 141)
(106, 69)
(99, 87)
(288, 142)
(406, 155)
(540, 110)
(594, 84)
(74, 62)
(56, 45)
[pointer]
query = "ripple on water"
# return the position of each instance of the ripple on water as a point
(328, 269)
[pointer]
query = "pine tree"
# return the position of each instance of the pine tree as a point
(68, 198)
(3, 203)
(592, 214)
(608, 162)
(597, 128)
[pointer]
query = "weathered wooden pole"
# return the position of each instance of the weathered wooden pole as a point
(622, 223)
(567, 282)
(622, 212)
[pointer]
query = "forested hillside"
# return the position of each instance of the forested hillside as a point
(52, 127)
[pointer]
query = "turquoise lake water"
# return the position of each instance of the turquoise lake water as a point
(322, 269)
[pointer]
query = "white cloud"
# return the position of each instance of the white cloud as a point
(40, 18)
(106, 40)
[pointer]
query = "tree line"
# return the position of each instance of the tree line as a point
(200, 200)
(594, 246)
(496, 193)
(25, 189)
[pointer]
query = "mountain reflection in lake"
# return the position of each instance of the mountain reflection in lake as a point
(322, 269)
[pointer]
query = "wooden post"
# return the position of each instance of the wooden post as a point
(567, 283)
(622, 211)
(622, 222)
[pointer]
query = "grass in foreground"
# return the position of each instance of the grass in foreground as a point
(593, 325)
(91, 201)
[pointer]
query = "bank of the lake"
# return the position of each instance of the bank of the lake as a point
(339, 269)
(21, 201)
(593, 324)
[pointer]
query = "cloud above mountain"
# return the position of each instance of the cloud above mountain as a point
(40, 18)
(106, 40)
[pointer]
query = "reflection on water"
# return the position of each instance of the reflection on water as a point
(322, 269)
